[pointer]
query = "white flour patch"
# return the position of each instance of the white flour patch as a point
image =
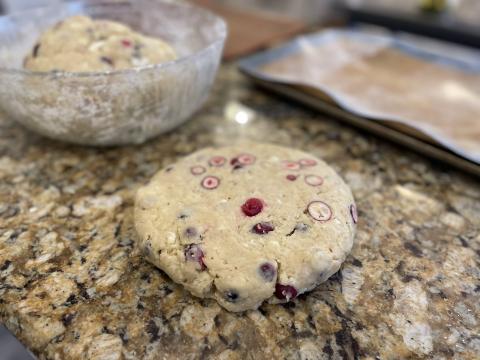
(352, 281)
(408, 315)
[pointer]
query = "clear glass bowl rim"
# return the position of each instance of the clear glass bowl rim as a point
(70, 74)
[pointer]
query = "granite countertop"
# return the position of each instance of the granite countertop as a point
(72, 285)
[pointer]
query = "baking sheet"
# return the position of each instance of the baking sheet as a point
(423, 88)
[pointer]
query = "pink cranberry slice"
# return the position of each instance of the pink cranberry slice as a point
(193, 252)
(262, 228)
(126, 43)
(197, 170)
(307, 162)
(217, 161)
(285, 292)
(319, 211)
(291, 165)
(353, 213)
(268, 271)
(291, 177)
(313, 180)
(246, 159)
(210, 182)
(252, 207)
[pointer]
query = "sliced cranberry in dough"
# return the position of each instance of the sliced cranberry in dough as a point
(217, 161)
(210, 182)
(246, 159)
(291, 165)
(307, 162)
(197, 170)
(314, 180)
(319, 211)
(353, 213)
(194, 252)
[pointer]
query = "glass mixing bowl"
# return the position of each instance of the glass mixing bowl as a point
(111, 107)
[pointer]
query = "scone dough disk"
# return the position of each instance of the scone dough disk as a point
(81, 44)
(245, 224)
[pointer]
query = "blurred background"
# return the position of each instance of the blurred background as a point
(259, 24)
(255, 24)
(467, 11)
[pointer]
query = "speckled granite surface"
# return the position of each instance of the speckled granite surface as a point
(73, 286)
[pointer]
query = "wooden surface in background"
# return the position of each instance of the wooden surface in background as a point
(250, 31)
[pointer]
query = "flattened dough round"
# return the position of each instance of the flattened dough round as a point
(245, 224)
(81, 44)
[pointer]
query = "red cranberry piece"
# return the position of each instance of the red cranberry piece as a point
(313, 180)
(197, 170)
(268, 271)
(193, 252)
(291, 165)
(236, 164)
(291, 177)
(217, 161)
(246, 159)
(285, 292)
(319, 211)
(252, 207)
(210, 182)
(126, 43)
(353, 213)
(262, 228)
(307, 162)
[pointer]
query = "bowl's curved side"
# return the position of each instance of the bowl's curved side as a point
(119, 107)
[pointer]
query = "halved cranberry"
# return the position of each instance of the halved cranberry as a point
(197, 170)
(210, 182)
(319, 211)
(217, 161)
(126, 43)
(262, 228)
(252, 207)
(291, 177)
(193, 252)
(285, 292)
(242, 160)
(307, 162)
(353, 213)
(268, 271)
(313, 180)
(246, 159)
(291, 165)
